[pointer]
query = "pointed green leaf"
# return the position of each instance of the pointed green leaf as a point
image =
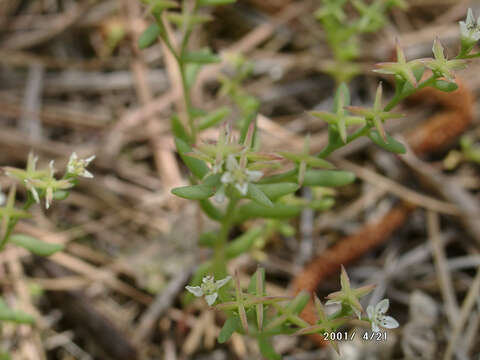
(194, 192)
(36, 246)
(252, 285)
(298, 304)
(276, 191)
(257, 195)
(196, 166)
(391, 145)
(229, 327)
(178, 129)
(149, 36)
(344, 92)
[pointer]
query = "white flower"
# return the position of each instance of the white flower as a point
(239, 176)
(208, 289)
(377, 316)
(77, 166)
(470, 29)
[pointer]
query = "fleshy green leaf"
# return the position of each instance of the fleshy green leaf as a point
(328, 178)
(201, 57)
(196, 166)
(60, 195)
(208, 239)
(243, 243)
(257, 195)
(267, 350)
(229, 327)
(445, 86)
(276, 191)
(149, 36)
(187, 20)
(391, 145)
(213, 118)
(322, 204)
(211, 210)
(215, 2)
(278, 211)
(36, 246)
(194, 192)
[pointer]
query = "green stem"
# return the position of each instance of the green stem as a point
(182, 66)
(332, 147)
(11, 225)
(402, 95)
(219, 262)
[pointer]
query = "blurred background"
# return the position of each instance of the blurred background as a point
(72, 79)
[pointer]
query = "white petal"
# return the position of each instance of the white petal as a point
(220, 283)
(195, 290)
(86, 174)
(370, 312)
(463, 29)
(470, 19)
(375, 327)
(2, 198)
(90, 159)
(51, 165)
(382, 306)
(243, 188)
(211, 298)
(232, 163)
(34, 193)
(388, 322)
(254, 175)
(332, 302)
(226, 178)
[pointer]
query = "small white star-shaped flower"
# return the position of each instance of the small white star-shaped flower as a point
(239, 176)
(470, 29)
(377, 316)
(208, 289)
(77, 166)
